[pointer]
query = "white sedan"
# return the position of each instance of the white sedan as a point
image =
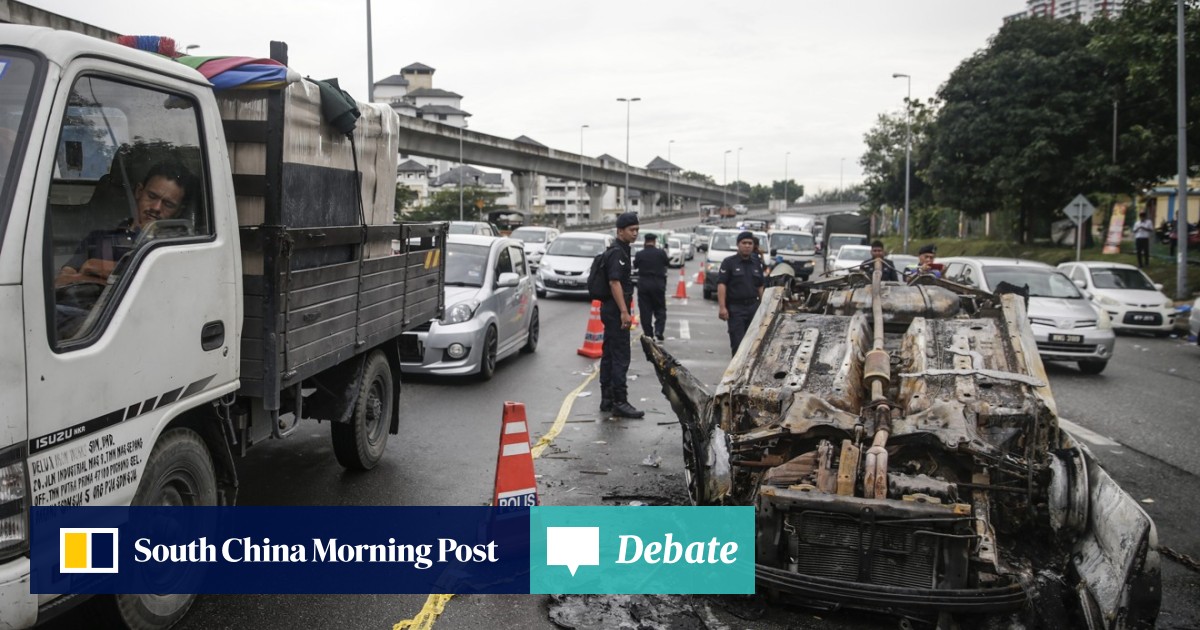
(847, 258)
(1130, 298)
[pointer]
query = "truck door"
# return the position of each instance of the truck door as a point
(129, 277)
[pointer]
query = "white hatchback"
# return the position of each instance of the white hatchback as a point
(1130, 298)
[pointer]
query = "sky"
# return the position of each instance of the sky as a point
(802, 77)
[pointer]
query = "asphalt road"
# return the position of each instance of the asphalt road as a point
(1140, 415)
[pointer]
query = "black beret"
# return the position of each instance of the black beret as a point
(626, 219)
(651, 236)
(746, 236)
(928, 249)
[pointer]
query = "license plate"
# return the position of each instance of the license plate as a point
(1067, 338)
(568, 282)
(1143, 318)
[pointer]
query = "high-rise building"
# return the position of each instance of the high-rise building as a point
(1082, 10)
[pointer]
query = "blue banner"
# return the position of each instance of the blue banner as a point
(250, 549)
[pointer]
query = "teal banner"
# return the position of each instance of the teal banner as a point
(642, 550)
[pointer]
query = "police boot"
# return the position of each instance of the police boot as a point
(606, 399)
(622, 408)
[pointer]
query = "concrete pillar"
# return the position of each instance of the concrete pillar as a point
(524, 183)
(650, 203)
(596, 201)
(691, 207)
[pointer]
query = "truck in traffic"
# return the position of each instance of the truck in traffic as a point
(183, 274)
(843, 229)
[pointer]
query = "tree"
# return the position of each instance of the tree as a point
(443, 205)
(698, 177)
(883, 162)
(1021, 125)
(405, 197)
(1138, 48)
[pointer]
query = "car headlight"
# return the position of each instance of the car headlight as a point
(1107, 301)
(1104, 322)
(1169, 304)
(461, 312)
(712, 267)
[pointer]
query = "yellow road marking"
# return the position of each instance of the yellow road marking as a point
(435, 605)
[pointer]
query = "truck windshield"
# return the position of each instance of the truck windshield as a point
(791, 242)
(20, 80)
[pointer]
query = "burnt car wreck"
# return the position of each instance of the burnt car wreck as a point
(902, 450)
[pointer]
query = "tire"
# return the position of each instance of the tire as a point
(360, 443)
(487, 362)
(1092, 367)
(179, 471)
(535, 329)
(541, 293)
(708, 294)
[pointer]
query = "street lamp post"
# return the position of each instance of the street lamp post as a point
(841, 180)
(725, 176)
(370, 59)
(738, 183)
(578, 198)
(460, 175)
(670, 206)
(907, 149)
(785, 180)
(628, 104)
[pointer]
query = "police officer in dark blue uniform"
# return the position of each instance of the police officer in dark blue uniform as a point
(614, 314)
(651, 263)
(739, 288)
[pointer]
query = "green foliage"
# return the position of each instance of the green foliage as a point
(405, 197)
(443, 205)
(883, 163)
(1021, 125)
(699, 178)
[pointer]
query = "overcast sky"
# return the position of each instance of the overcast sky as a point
(807, 77)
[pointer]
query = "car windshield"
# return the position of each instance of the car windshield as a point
(684, 238)
(1121, 279)
(791, 242)
(836, 242)
(723, 241)
(1041, 282)
(530, 236)
(19, 84)
(462, 228)
(580, 247)
(466, 265)
(849, 252)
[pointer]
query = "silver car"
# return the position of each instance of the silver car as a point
(491, 311)
(1066, 325)
(536, 240)
(564, 267)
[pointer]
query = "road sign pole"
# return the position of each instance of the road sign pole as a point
(1078, 237)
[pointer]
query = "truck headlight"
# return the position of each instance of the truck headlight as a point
(1169, 304)
(712, 267)
(461, 312)
(14, 502)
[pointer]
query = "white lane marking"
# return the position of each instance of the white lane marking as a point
(685, 330)
(1085, 434)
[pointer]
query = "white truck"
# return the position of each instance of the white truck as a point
(184, 273)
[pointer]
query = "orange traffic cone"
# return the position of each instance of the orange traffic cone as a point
(681, 288)
(515, 484)
(700, 274)
(593, 340)
(633, 319)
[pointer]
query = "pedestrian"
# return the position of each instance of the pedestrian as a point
(614, 314)
(889, 268)
(739, 288)
(1142, 231)
(651, 264)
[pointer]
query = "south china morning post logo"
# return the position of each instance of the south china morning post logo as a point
(88, 549)
(644, 550)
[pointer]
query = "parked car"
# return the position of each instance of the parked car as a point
(722, 244)
(1132, 300)
(564, 266)
(536, 240)
(740, 209)
(481, 228)
(675, 254)
(1066, 325)
(846, 258)
(688, 241)
(904, 261)
(703, 234)
(491, 309)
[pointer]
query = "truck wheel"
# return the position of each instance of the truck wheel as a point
(487, 362)
(1092, 367)
(531, 342)
(179, 471)
(359, 444)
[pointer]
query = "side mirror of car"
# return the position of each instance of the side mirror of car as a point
(508, 279)
(1080, 283)
(1158, 286)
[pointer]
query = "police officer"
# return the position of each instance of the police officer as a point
(651, 264)
(739, 288)
(614, 314)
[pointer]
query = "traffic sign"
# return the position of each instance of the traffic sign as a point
(1079, 209)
